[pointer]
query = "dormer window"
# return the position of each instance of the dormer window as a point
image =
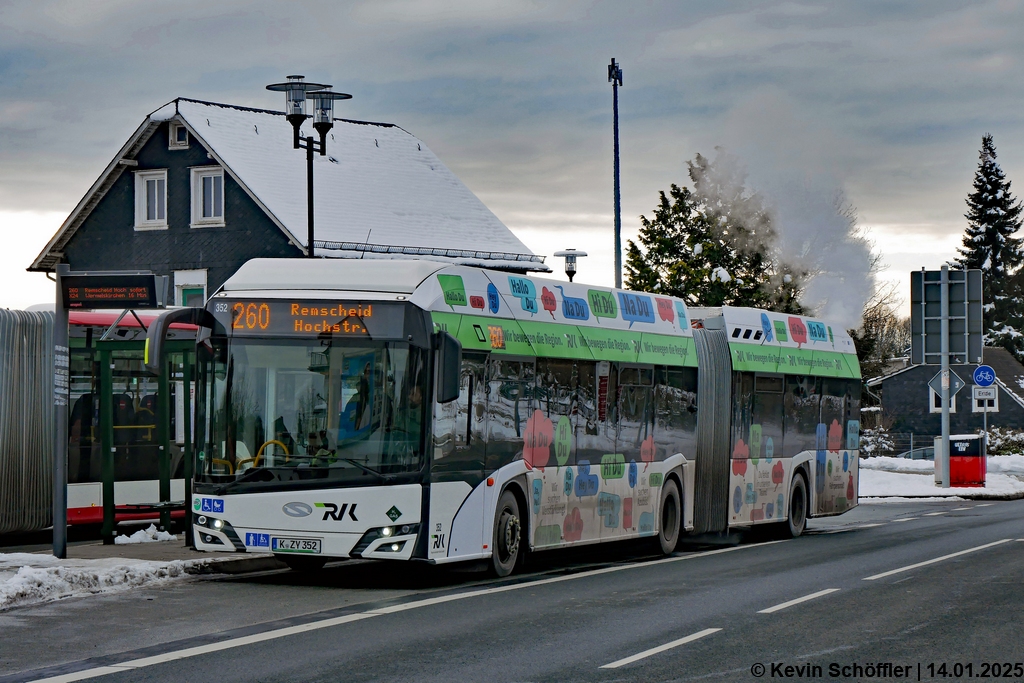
(207, 197)
(177, 137)
(151, 200)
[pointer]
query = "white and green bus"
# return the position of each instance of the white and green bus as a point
(412, 409)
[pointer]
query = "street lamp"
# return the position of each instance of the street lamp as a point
(570, 256)
(615, 78)
(296, 91)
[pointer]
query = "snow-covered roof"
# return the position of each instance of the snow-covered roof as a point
(379, 191)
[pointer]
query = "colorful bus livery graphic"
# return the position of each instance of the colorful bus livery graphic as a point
(454, 290)
(636, 308)
(524, 290)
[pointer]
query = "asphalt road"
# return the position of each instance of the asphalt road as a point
(908, 585)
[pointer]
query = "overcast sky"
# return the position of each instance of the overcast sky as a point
(885, 100)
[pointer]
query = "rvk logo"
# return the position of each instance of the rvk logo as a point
(332, 511)
(212, 505)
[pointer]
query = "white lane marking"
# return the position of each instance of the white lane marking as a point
(959, 509)
(905, 519)
(790, 603)
(937, 559)
(661, 648)
(868, 526)
(327, 623)
(933, 514)
(984, 505)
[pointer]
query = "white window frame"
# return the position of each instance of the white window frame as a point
(172, 136)
(935, 402)
(188, 279)
(141, 206)
(198, 173)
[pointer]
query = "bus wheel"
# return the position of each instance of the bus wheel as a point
(304, 563)
(797, 507)
(671, 518)
(507, 535)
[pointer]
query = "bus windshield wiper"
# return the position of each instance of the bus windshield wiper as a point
(369, 470)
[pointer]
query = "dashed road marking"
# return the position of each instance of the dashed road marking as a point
(661, 648)
(797, 601)
(933, 514)
(937, 559)
(905, 519)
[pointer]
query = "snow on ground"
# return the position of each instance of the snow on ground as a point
(899, 478)
(150, 535)
(27, 578)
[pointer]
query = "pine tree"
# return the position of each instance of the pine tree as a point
(993, 218)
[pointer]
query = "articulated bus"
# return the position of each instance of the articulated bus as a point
(413, 409)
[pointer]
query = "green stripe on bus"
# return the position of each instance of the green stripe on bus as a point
(774, 359)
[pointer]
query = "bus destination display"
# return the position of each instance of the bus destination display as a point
(282, 317)
(109, 291)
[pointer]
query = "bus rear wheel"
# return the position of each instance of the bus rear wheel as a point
(671, 518)
(304, 563)
(506, 551)
(797, 521)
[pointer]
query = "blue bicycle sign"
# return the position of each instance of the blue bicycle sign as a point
(984, 376)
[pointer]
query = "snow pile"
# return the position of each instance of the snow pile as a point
(898, 477)
(150, 535)
(30, 578)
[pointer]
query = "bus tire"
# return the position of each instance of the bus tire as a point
(797, 521)
(304, 563)
(670, 517)
(506, 548)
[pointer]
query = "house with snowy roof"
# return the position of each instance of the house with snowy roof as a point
(200, 188)
(912, 406)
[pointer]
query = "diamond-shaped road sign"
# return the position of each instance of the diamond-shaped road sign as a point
(952, 380)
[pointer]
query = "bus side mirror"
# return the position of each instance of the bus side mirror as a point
(156, 334)
(449, 365)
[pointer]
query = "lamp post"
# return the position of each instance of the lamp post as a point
(296, 91)
(615, 78)
(570, 256)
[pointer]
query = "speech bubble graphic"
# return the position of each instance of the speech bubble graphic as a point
(828, 467)
(602, 304)
(656, 479)
(780, 331)
(476, 302)
(778, 474)
(737, 500)
(563, 440)
(681, 314)
(797, 330)
(835, 436)
(769, 510)
(647, 450)
(548, 534)
(819, 472)
(820, 437)
(740, 450)
(608, 507)
(853, 434)
(493, 300)
(632, 474)
(739, 466)
(755, 443)
(537, 441)
(636, 308)
(454, 290)
(573, 307)
(766, 327)
(666, 310)
(769, 449)
(627, 513)
(538, 489)
(751, 497)
(567, 482)
(547, 299)
(816, 331)
(779, 507)
(756, 514)
(572, 526)
(849, 488)
(523, 289)
(646, 525)
(613, 466)
(831, 338)
(586, 483)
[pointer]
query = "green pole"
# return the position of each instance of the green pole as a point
(106, 390)
(163, 402)
(186, 379)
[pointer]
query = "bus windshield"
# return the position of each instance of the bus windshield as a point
(289, 414)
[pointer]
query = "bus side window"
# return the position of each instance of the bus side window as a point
(675, 427)
(557, 385)
(459, 444)
(767, 415)
(742, 405)
(510, 403)
(802, 404)
(635, 433)
(833, 411)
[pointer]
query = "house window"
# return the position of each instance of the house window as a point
(207, 196)
(936, 402)
(193, 296)
(177, 137)
(151, 200)
(190, 287)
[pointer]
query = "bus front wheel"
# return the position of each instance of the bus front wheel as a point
(797, 521)
(671, 518)
(506, 547)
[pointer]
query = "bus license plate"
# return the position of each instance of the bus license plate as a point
(309, 546)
